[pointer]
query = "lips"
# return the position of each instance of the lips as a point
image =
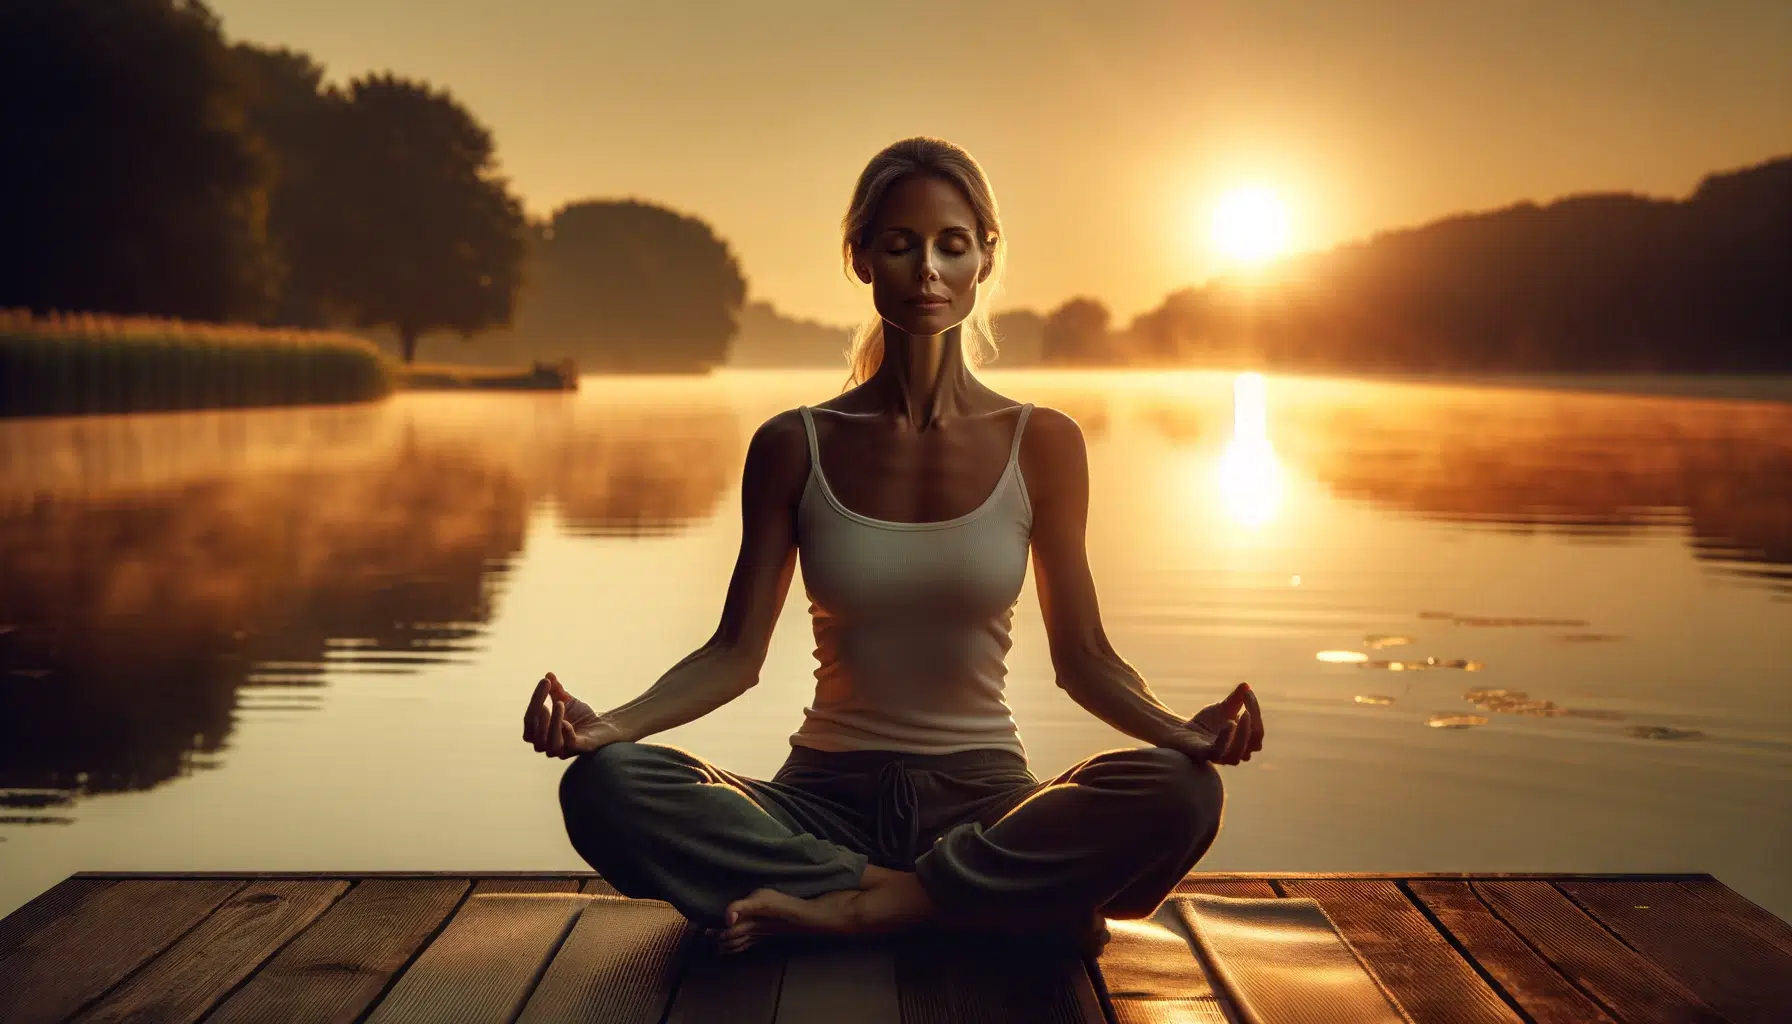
(930, 301)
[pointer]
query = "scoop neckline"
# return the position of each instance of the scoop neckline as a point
(827, 492)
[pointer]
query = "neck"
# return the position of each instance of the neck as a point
(923, 378)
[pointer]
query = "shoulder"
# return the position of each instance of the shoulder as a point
(779, 449)
(1054, 461)
(1051, 437)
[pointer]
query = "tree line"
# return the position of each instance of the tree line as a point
(1598, 282)
(161, 170)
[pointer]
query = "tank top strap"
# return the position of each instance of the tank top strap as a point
(1020, 428)
(814, 445)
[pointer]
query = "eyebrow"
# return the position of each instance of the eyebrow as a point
(911, 231)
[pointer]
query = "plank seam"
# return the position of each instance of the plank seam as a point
(548, 961)
(428, 941)
(1099, 981)
(1449, 936)
(151, 958)
(225, 997)
(681, 969)
(1596, 919)
(1563, 972)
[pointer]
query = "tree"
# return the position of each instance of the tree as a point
(131, 185)
(296, 118)
(1077, 332)
(626, 285)
(430, 237)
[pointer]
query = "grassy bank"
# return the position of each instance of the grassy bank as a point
(83, 363)
(562, 376)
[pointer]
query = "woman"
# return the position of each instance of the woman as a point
(906, 798)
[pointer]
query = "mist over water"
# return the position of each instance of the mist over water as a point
(1491, 628)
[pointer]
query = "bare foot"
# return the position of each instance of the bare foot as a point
(767, 912)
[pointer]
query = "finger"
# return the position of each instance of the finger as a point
(556, 729)
(569, 743)
(1216, 751)
(1240, 747)
(554, 681)
(1256, 720)
(1235, 701)
(531, 723)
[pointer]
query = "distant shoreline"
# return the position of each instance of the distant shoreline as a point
(1735, 387)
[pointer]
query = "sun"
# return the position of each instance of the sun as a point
(1250, 225)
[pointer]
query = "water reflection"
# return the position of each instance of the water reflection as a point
(1248, 472)
(166, 573)
(1592, 466)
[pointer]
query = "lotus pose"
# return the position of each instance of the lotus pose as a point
(914, 500)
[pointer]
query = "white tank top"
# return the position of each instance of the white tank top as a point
(912, 619)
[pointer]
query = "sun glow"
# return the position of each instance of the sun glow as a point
(1250, 225)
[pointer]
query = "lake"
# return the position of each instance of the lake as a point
(1492, 628)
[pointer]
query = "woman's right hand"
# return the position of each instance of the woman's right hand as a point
(561, 725)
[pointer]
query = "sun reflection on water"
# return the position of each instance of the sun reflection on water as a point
(1248, 472)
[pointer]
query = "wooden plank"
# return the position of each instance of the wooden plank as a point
(1430, 980)
(1630, 987)
(184, 982)
(961, 978)
(1169, 1011)
(741, 988)
(73, 960)
(1526, 978)
(620, 965)
(44, 908)
(483, 965)
(338, 967)
(1742, 977)
(825, 983)
(1743, 911)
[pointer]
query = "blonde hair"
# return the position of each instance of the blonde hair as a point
(937, 157)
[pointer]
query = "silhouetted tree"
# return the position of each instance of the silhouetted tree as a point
(1020, 337)
(1076, 332)
(432, 239)
(130, 184)
(298, 120)
(626, 285)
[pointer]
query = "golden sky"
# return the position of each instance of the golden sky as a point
(1108, 129)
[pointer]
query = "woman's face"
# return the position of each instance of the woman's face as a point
(924, 246)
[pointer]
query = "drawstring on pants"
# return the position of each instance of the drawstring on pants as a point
(897, 818)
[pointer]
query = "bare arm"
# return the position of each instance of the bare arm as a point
(1056, 464)
(728, 663)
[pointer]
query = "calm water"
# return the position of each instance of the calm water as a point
(303, 639)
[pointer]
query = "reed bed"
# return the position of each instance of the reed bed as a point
(64, 364)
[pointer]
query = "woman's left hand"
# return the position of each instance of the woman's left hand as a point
(1224, 733)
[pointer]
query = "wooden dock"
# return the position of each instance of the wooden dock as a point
(534, 947)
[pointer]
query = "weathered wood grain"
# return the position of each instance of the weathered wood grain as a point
(54, 902)
(185, 981)
(483, 965)
(1743, 911)
(620, 965)
(1527, 979)
(70, 962)
(1631, 987)
(338, 967)
(1727, 965)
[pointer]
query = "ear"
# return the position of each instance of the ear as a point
(989, 264)
(863, 271)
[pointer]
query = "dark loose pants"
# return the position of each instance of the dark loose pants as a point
(985, 837)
